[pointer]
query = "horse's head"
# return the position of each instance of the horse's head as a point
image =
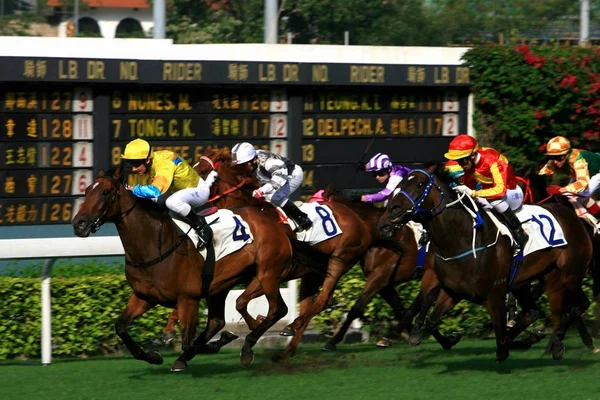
(233, 180)
(420, 197)
(101, 203)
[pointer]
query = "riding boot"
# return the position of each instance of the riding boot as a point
(297, 215)
(515, 226)
(201, 227)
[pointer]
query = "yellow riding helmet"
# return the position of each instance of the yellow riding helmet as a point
(137, 149)
(558, 146)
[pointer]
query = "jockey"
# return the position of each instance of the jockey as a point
(169, 173)
(584, 168)
(499, 183)
(381, 167)
(279, 177)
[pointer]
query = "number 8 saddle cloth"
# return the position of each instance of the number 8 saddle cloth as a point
(324, 226)
(230, 232)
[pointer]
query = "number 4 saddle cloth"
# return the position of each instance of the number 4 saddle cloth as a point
(230, 232)
(542, 227)
(324, 226)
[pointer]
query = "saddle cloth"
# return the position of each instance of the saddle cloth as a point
(324, 226)
(230, 232)
(542, 227)
(418, 230)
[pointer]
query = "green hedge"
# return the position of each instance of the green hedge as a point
(84, 310)
(526, 95)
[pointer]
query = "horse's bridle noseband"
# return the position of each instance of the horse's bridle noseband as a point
(416, 203)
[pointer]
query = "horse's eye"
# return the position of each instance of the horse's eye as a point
(421, 184)
(105, 192)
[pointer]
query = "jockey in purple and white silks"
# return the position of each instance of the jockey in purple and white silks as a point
(383, 170)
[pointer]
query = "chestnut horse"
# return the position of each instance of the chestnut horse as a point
(234, 188)
(426, 198)
(164, 268)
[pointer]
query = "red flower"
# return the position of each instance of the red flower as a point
(522, 48)
(482, 101)
(538, 127)
(569, 80)
(538, 114)
(560, 60)
(542, 147)
(573, 117)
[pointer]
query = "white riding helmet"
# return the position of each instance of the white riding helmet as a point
(242, 153)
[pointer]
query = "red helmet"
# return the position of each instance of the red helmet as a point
(461, 146)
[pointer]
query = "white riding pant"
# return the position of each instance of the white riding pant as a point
(583, 196)
(280, 196)
(513, 199)
(184, 200)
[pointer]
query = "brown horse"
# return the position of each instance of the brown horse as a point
(484, 279)
(164, 268)
(234, 189)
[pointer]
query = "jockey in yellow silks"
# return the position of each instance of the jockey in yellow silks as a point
(584, 169)
(491, 169)
(169, 173)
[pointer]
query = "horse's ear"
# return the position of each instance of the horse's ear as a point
(431, 167)
(101, 173)
(329, 190)
(208, 150)
(118, 172)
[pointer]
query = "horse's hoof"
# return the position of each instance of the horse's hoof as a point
(168, 337)
(288, 331)
(228, 336)
(596, 350)
(414, 340)
(246, 357)
(501, 355)
(558, 351)
(329, 346)
(384, 343)
(179, 365)
(154, 358)
(454, 338)
(279, 357)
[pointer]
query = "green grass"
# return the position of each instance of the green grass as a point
(353, 372)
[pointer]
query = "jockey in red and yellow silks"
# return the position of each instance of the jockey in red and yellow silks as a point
(493, 171)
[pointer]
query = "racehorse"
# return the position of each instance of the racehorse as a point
(535, 188)
(164, 268)
(426, 198)
(233, 188)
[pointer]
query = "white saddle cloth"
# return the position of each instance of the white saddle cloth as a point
(230, 232)
(542, 227)
(324, 226)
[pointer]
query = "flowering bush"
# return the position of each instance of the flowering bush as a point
(526, 95)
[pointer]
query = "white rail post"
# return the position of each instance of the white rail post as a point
(293, 299)
(46, 313)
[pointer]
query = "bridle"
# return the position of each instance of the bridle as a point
(416, 203)
(95, 226)
(233, 188)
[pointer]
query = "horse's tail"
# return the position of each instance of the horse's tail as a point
(306, 255)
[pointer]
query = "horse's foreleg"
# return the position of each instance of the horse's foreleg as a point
(496, 306)
(253, 290)
(135, 308)
(401, 314)
(277, 310)
(443, 304)
(169, 331)
(375, 282)
(529, 314)
(426, 297)
(308, 289)
(188, 319)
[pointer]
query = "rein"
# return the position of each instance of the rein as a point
(226, 192)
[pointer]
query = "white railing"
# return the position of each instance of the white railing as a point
(51, 249)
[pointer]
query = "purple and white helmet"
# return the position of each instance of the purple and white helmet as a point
(379, 162)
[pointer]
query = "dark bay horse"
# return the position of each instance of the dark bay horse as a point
(164, 268)
(234, 188)
(483, 280)
(535, 187)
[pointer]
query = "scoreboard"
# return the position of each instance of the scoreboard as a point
(62, 120)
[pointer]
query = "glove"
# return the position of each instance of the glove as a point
(554, 190)
(210, 178)
(463, 189)
(360, 166)
(258, 194)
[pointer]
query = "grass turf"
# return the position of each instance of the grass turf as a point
(353, 372)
